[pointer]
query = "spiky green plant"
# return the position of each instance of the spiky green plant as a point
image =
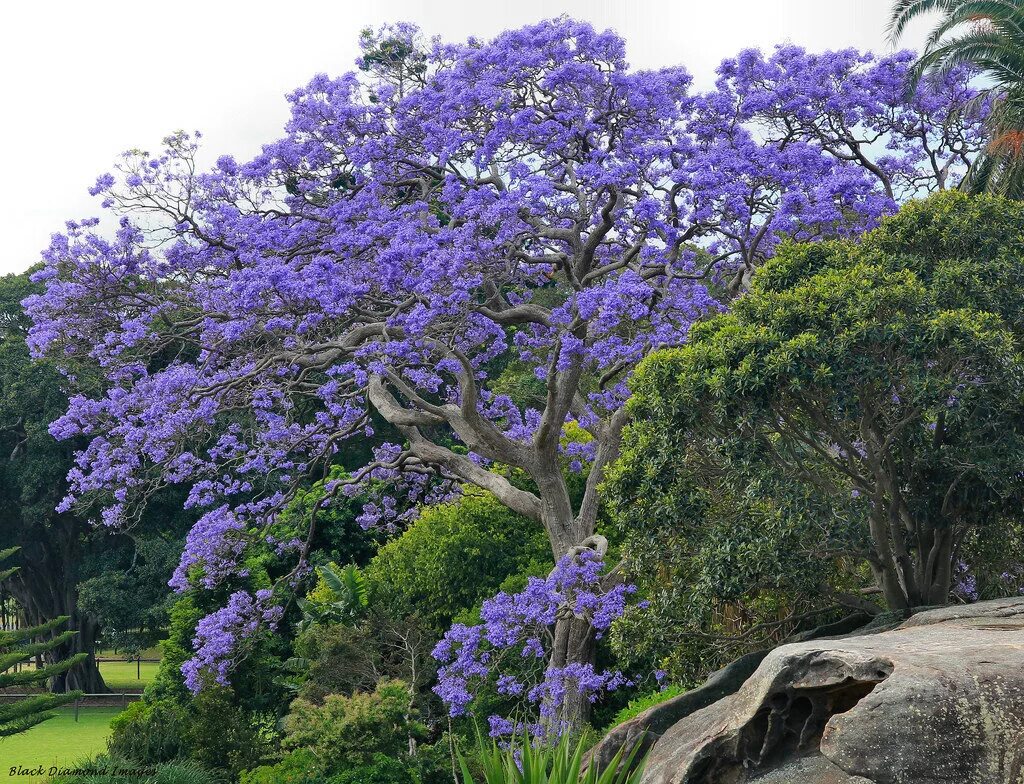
(20, 647)
(988, 35)
(525, 763)
(349, 592)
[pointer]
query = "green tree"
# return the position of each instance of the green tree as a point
(112, 582)
(33, 466)
(727, 566)
(125, 588)
(989, 35)
(886, 371)
(452, 557)
(18, 649)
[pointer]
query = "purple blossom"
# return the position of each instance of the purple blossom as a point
(965, 584)
(516, 624)
(429, 218)
(221, 636)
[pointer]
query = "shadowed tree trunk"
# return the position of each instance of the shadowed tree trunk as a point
(574, 643)
(46, 587)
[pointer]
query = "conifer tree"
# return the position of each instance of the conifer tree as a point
(20, 647)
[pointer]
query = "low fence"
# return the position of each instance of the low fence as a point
(123, 697)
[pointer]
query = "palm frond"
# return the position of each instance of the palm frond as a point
(905, 11)
(999, 16)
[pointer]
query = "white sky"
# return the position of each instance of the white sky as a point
(83, 81)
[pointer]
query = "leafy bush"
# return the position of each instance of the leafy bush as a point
(298, 767)
(222, 735)
(209, 730)
(638, 705)
(347, 732)
(150, 731)
(382, 770)
(523, 763)
(452, 557)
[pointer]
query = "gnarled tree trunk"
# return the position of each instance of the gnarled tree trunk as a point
(575, 643)
(46, 587)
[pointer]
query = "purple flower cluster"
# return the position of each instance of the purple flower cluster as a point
(214, 547)
(520, 624)
(221, 636)
(528, 199)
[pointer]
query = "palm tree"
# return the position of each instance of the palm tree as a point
(989, 35)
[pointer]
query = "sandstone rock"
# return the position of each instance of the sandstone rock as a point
(937, 700)
(645, 728)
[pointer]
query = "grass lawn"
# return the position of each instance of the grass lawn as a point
(121, 674)
(59, 741)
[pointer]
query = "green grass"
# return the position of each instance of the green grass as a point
(59, 741)
(121, 674)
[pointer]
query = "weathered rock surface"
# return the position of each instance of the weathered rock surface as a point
(937, 700)
(645, 728)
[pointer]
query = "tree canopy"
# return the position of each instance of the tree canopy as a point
(454, 209)
(883, 374)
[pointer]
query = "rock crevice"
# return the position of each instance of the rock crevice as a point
(937, 700)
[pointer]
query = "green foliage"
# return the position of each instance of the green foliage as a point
(210, 730)
(110, 769)
(639, 704)
(223, 736)
(525, 763)
(150, 731)
(337, 660)
(341, 659)
(297, 767)
(176, 648)
(452, 557)
(346, 732)
(20, 647)
(992, 557)
(854, 415)
(337, 535)
(725, 571)
(382, 770)
(131, 604)
(341, 595)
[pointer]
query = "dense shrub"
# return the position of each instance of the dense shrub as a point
(346, 732)
(150, 731)
(110, 769)
(222, 735)
(297, 767)
(454, 556)
(381, 770)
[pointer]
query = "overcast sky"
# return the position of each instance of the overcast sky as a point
(83, 82)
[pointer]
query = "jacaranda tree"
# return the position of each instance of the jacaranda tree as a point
(450, 211)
